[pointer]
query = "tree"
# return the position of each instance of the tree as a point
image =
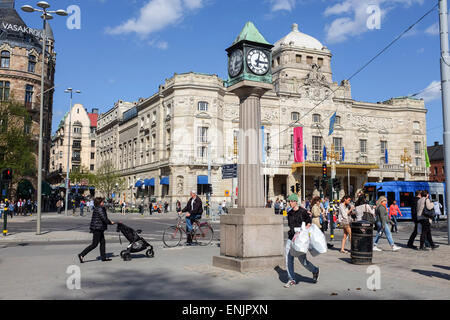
(108, 180)
(81, 175)
(17, 147)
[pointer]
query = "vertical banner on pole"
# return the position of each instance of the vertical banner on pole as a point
(298, 144)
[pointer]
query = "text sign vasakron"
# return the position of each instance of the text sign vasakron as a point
(229, 171)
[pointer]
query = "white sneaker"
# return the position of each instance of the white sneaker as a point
(395, 248)
(289, 284)
(375, 248)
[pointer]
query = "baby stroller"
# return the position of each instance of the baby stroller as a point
(137, 243)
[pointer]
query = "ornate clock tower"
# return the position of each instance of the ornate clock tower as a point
(251, 235)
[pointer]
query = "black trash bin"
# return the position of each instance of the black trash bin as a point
(362, 242)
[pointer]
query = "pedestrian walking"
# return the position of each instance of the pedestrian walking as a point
(364, 211)
(2, 208)
(166, 207)
(383, 225)
(296, 216)
(437, 210)
(414, 219)
(99, 224)
(82, 204)
(11, 209)
(224, 206)
(316, 211)
(425, 222)
(344, 218)
(277, 206)
(393, 210)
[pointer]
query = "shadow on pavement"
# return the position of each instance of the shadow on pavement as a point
(282, 275)
(442, 267)
(432, 274)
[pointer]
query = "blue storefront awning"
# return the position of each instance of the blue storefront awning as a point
(164, 181)
(139, 183)
(149, 182)
(202, 179)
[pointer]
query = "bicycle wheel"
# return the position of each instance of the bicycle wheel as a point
(203, 234)
(172, 236)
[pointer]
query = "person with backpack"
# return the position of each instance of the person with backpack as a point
(383, 225)
(422, 205)
(296, 216)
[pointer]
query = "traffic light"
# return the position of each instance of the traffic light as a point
(324, 170)
(7, 175)
(324, 184)
(316, 183)
(292, 189)
(209, 189)
(336, 184)
(297, 187)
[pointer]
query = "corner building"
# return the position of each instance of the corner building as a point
(163, 140)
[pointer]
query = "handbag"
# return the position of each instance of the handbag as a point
(428, 213)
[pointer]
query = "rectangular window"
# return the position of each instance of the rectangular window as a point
(316, 118)
(92, 155)
(202, 135)
(235, 142)
(417, 148)
(203, 106)
(77, 144)
(316, 148)
(4, 90)
(31, 64)
(92, 143)
(320, 61)
(28, 94)
(309, 60)
(383, 145)
(202, 152)
(92, 167)
(298, 58)
(418, 162)
(77, 129)
(338, 147)
(363, 146)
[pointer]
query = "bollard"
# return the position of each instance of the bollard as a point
(5, 218)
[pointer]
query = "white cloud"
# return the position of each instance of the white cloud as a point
(278, 5)
(156, 15)
(433, 29)
(355, 18)
(432, 92)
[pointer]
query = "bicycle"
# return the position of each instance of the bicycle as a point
(202, 233)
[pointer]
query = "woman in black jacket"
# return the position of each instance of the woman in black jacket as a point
(295, 218)
(99, 223)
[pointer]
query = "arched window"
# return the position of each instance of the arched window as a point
(31, 63)
(203, 106)
(5, 59)
(338, 121)
(295, 116)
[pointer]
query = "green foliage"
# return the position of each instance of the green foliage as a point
(81, 175)
(108, 180)
(17, 148)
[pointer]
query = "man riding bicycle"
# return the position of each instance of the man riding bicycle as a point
(194, 209)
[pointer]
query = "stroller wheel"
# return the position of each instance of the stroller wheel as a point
(122, 253)
(127, 256)
(150, 253)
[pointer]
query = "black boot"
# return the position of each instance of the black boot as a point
(189, 239)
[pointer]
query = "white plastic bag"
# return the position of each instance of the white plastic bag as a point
(318, 243)
(300, 242)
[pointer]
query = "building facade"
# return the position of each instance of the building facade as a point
(82, 156)
(166, 141)
(20, 73)
(437, 164)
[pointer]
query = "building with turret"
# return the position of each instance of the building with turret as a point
(21, 69)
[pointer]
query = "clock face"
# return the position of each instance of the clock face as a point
(235, 63)
(258, 61)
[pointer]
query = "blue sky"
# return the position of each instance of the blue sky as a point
(126, 48)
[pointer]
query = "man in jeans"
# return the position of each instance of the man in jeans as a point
(194, 209)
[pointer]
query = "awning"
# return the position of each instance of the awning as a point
(149, 182)
(139, 184)
(202, 179)
(164, 181)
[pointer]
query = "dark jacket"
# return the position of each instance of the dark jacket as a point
(197, 209)
(99, 221)
(382, 214)
(414, 209)
(295, 219)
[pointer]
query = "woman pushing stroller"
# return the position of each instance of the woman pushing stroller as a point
(99, 224)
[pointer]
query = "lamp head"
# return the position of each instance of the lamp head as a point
(43, 5)
(61, 13)
(28, 8)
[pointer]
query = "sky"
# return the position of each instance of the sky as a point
(124, 49)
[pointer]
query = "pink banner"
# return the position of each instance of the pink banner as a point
(298, 144)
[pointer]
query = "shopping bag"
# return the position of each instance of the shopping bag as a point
(317, 240)
(300, 242)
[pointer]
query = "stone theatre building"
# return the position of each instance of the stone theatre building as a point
(161, 144)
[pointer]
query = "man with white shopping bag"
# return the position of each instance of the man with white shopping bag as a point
(296, 218)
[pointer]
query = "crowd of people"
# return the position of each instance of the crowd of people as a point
(21, 207)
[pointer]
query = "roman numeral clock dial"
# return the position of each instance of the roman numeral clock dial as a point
(258, 62)
(235, 63)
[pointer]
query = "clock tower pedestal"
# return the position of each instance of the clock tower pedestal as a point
(251, 236)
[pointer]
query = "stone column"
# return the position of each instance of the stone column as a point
(251, 236)
(271, 189)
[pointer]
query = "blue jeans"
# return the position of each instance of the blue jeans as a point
(394, 219)
(303, 260)
(189, 221)
(386, 231)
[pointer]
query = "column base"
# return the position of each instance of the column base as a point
(250, 239)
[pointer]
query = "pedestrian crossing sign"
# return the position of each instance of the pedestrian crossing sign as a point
(227, 193)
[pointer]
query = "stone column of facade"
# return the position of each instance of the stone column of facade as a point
(271, 189)
(251, 235)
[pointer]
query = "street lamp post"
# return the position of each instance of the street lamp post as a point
(334, 156)
(69, 90)
(46, 15)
